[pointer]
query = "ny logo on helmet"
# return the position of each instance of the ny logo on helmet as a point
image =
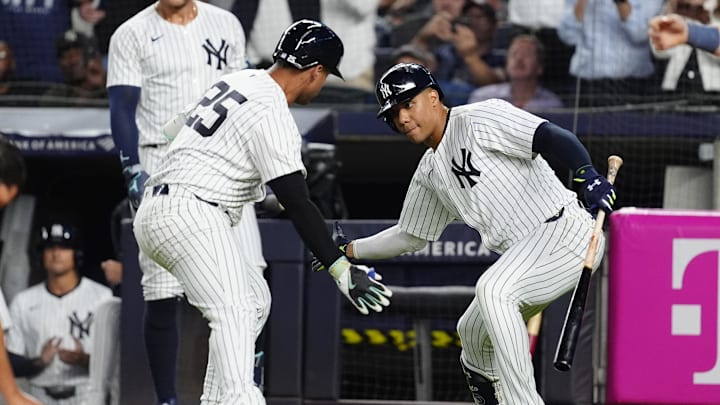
(385, 90)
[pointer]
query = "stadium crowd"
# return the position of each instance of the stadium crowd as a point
(587, 52)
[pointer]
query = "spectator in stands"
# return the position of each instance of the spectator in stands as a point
(524, 68)
(541, 18)
(391, 14)
(354, 22)
(440, 10)
(672, 30)
(454, 94)
(82, 68)
(460, 35)
(689, 70)
(30, 27)
(85, 15)
(59, 309)
(10, 85)
(12, 178)
(612, 58)
(463, 46)
(7, 68)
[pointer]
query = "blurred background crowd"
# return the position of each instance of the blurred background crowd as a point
(538, 54)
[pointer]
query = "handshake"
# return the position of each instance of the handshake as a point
(359, 284)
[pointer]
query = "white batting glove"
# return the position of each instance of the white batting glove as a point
(360, 284)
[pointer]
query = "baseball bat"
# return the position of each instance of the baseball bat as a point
(533, 329)
(573, 319)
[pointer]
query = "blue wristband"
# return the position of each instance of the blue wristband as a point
(703, 37)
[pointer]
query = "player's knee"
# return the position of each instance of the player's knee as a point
(481, 389)
(161, 314)
(488, 292)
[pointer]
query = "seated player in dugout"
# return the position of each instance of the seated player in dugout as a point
(485, 165)
(53, 320)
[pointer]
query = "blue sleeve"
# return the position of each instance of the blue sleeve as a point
(123, 104)
(563, 145)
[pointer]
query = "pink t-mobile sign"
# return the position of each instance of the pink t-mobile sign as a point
(664, 300)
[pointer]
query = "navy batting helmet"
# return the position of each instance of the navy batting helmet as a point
(307, 43)
(62, 234)
(401, 83)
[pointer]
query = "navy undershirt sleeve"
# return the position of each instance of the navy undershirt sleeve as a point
(561, 144)
(123, 104)
(292, 192)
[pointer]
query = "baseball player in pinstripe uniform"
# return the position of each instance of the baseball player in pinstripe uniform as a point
(485, 167)
(60, 310)
(240, 136)
(160, 61)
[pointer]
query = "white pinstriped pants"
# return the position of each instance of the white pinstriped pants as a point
(196, 243)
(159, 284)
(527, 278)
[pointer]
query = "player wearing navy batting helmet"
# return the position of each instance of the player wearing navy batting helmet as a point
(238, 138)
(485, 165)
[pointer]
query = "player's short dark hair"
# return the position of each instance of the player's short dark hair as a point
(12, 164)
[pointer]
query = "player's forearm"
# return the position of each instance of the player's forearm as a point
(291, 190)
(123, 104)
(385, 244)
(24, 366)
(8, 386)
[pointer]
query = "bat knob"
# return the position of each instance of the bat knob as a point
(562, 365)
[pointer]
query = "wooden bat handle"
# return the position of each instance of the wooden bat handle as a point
(573, 320)
(614, 163)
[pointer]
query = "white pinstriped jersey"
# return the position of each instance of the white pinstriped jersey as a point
(39, 315)
(240, 136)
(484, 173)
(162, 58)
(5, 319)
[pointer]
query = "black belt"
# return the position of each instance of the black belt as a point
(60, 391)
(164, 189)
(556, 216)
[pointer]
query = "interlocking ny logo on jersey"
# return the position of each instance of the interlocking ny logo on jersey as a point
(80, 328)
(220, 53)
(466, 170)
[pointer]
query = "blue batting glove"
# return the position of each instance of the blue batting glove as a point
(599, 193)
(135, 178)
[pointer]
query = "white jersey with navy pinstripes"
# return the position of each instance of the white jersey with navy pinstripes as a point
(5, 319)
(228, 157)
(484, 173)
(39, 315)
(172, 63)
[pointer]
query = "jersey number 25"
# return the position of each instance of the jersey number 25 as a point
(214, 98)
